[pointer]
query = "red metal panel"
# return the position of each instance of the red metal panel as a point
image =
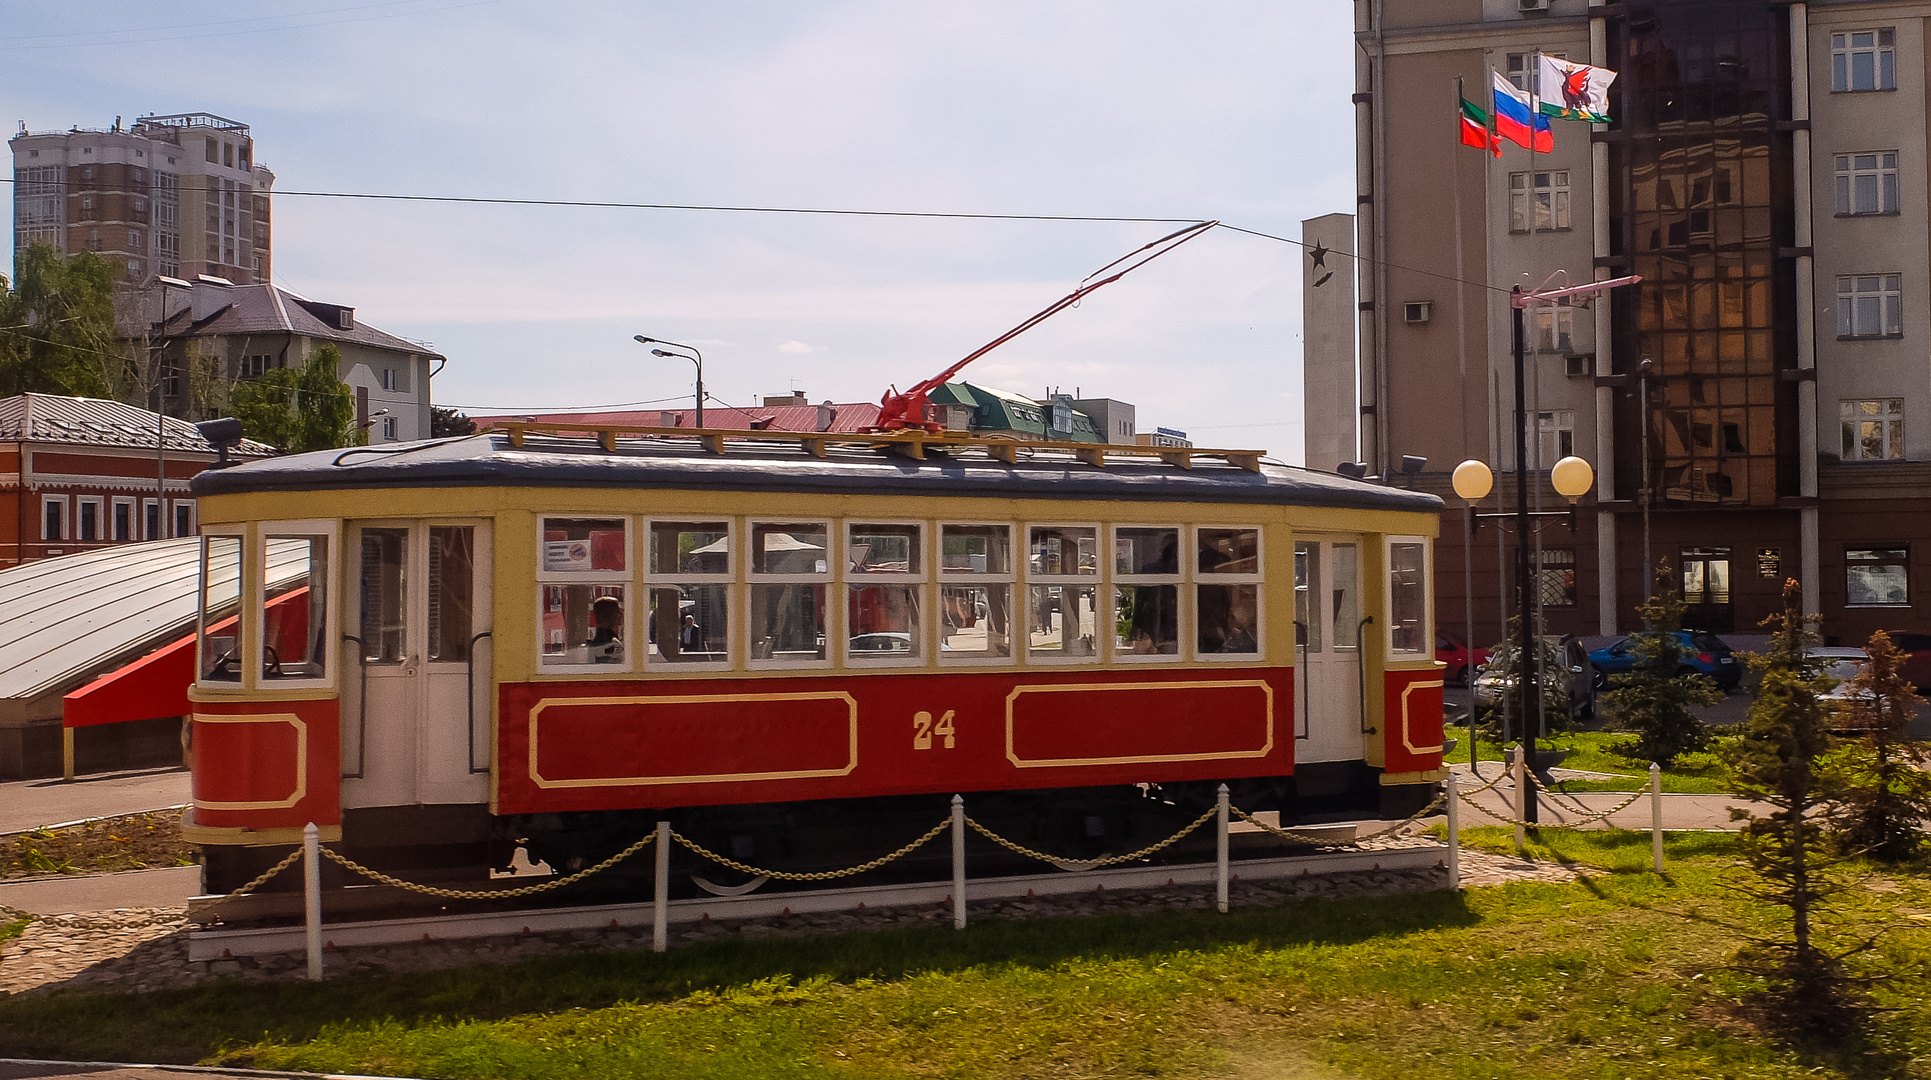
(266, 764)
(608, 745)
(152, 687)
(1412, 706)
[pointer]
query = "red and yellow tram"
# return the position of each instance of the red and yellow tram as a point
(795, 648)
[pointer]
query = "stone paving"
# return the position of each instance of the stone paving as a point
(140, 949)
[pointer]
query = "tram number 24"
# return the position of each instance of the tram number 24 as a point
(923, 729)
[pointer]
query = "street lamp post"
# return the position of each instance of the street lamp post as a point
(695, 357)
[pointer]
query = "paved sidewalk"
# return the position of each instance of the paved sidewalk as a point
(167, 886)
(29, 804)
(1680, 812)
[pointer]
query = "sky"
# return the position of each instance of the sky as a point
(1214, 109)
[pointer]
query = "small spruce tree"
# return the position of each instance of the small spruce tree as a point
(1773, 762)
(1886, 797)
(1653, 700)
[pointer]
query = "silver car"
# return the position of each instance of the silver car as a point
(1563, 669)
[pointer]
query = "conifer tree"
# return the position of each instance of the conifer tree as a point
(1653, 699)
(1773, 762)
(1886, 798)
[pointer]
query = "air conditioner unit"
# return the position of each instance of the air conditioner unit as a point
(1531, 5)
(1581, 366)
(1417, 311)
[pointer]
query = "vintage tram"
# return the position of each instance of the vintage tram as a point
(795, 647)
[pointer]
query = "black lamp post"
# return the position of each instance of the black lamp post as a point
(695, 357)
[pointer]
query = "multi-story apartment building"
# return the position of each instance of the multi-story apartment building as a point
(179, 195)
(1758, 407)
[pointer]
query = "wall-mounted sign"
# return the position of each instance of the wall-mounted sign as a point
(1769, 563)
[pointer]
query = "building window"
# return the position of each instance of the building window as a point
(1555, 436)
(1877, 577)
(123, 519)
(184, 517)
(134, 239)
(1521, 69)
(1555, 327)
(389, 428)
(151, 510)
(1873, 430)
(1539, 200)
(389, 379)
(1864, 60)
(1555, 579)
(53, 517)
(140, 204)
(253, 366)
(208, 147)
(1870, 305)
(86, 202)
(1867, 183)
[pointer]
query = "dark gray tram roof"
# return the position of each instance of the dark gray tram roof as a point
(489, 460)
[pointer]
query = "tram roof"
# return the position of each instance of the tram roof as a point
(821, 463)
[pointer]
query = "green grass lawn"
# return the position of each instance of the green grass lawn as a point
(1621, 975)
(1691, 774)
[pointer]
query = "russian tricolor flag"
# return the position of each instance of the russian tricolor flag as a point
(1514, 120)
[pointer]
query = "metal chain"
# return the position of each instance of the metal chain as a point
(1089, 864)
(823, 875)
(1580, 810)
(1499, 777)
(287, 862)
(488, 894)
(1507, 820)
(1319, 841)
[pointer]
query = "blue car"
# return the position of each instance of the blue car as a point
(1703, 654)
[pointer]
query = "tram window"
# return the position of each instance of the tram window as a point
(1061, 621)
(295, 608)
(1307, 612)
(583, 545)
(218, 621)
(1408, 597)
(975, 621)
(1146, 551)
(385, 561)
(690, 547)
(1228, 551)
(883, 549)
(882, 621)
(1229, 620)
(452, 592)
(589, 628)
(975, 549)
(690, 624)
(788, 622)
(787, 548)
(1146, 591)
(1064, 551)
(1344, 605)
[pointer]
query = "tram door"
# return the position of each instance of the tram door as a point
(418, 600)
(1327, 654)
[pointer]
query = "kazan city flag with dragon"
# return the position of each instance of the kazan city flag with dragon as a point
(1573, 91)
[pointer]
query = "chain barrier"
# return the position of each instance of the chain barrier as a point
(823, 875)
(483, 894)
(1090, 864)
(290, 860)
(1525, 824)
(1582, 811)
(1319, 841)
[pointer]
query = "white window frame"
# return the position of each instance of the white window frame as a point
(81, 502)
(1882, 173)
(1183, 627)
(1882, 49)
(244, 636)
(330, 530)
(1427, 648)
(732, 580)
(1099, 581)
(65, 530)
(627, 578)
(160, 530)
(1889, 418)
(1257, 579)
(389, 428)
(1015, 601)
(1905, 563)
(1554, 328)
(1550, 426)
(1889, 294)
(133, 518)
(174, 520)
(1526, 191)
(831, 579)
(928, 634)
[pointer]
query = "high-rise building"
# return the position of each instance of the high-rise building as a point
(179, 195)
(1759, 406)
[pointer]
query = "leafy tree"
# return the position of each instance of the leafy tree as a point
(57, 325)
(1652, 700)
(1886, 798)
(1774, 762)
(447, 423)
(300, 409)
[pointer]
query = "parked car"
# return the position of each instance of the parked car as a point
(1917, 656)
(1703, 653)
(1841, 664)
(1563, 669)
(1456, 655)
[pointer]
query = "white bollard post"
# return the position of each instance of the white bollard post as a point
(958, 863)
(1656, 815)
(660, 892)
(312, 885)
(1521, 799)
(1220, 851)
(1454, 836)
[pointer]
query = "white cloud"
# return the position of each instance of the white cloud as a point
(797, 347)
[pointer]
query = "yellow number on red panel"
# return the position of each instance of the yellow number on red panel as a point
(945, 728)
(922, 730)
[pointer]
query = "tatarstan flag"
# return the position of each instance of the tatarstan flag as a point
(1478, 128)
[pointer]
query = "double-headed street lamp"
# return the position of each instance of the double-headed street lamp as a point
(1571, 476)
(694, 356)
